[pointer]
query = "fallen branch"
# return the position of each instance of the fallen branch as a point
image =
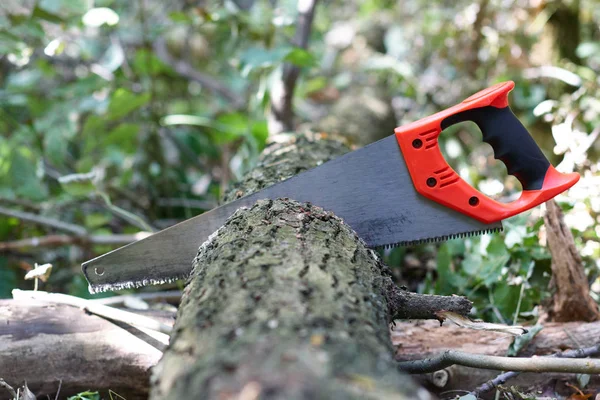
(407, 305)
(281, 115)
(521, 364)
(186, 70)
(504, 377)
(37, 219)
(92, 307)
(63, 240)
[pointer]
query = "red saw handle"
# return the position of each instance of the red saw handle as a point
(512, 144)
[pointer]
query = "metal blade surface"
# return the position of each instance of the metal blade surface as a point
(370, 189)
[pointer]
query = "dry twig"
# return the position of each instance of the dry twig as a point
(37, 219)
(504, 377)
(521, 364)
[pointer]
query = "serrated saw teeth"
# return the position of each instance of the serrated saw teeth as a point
(440, 238)
(105, 287)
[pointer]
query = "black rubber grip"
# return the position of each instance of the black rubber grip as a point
(511, 142)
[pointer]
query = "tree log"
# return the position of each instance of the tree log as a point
(418, 340)
(571, 300)
(284, 302)
(45, 344)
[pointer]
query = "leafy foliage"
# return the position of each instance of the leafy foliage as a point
(120, 116)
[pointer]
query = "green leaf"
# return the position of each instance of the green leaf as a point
(194, 120)
(506, 298)
(65, 8)
(520, 342)
(8, 279)
(179, 16)
(88, 395)
(300, 58)
(496, 247)
(472, 264)
(79, 184)
(124, 136)
(256, 57)
(515, 236)
(446, 276)
(23, 176)
(492, 269)
(147, 63)
(123, 102)
(96, 220)
(260, 131)
(48, 16)
(232, 126)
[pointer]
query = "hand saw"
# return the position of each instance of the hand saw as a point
(397, 191)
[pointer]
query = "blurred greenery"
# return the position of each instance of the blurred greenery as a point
(125, 116)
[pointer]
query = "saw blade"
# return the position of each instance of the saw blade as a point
(370, 189)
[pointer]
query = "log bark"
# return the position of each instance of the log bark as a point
(46, 344)
(418, 340)
(284, 302)
(571, 300)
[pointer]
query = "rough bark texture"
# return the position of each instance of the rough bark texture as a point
(425, 338)
(44, 344)
(571, 300)
(284, 302)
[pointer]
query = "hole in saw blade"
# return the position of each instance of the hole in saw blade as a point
(99, 271)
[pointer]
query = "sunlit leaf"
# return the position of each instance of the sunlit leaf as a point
(79, 184)
(123, 102)
(88, 395)
(300, 58)
(99, 16)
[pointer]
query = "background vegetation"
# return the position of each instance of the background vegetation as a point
(124, 116)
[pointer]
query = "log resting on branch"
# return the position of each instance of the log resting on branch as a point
(285, 301)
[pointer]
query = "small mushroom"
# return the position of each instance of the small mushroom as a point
(41, 272)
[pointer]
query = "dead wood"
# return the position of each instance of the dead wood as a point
(46, 344)
(571, 300)
(418, 340)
